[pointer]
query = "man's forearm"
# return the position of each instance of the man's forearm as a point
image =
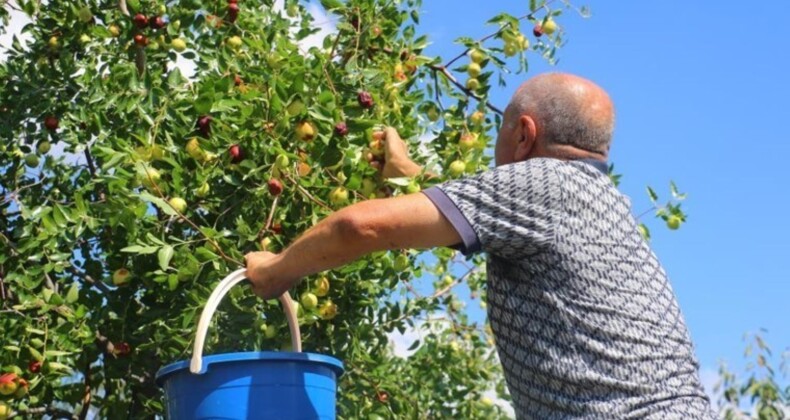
(331, 243)
(410, 221)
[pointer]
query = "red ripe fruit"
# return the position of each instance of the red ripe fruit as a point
(233, 1)
(365, 100)
(157, 23)
(382, 396)
(51, 123)
(537, 30)
(277, 228)
(140, 40)
(204, 125)
(123, 349)
(275, 187)
(233, 12)
(354, 22)
(236, 153)
(34, 366)
(140, 20)
(341, 129)
(237, 80)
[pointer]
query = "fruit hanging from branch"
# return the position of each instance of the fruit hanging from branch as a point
(275, 187)
(236, 153)
(51, 123)
(305, 131)
(341, 129)
(233, 12)
(140, 21)
(365, 100)
(121, 277)
(204, 125)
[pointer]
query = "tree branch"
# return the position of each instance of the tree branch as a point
(443, 70)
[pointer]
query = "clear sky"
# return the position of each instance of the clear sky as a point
(702, 97)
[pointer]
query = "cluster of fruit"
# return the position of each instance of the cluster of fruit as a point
(141, 22)
(11, 386)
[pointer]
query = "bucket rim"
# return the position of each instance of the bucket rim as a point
(335, 364)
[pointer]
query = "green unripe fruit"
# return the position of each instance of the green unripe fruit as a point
(271, 331)
(473, 69)
(235, 42)
(203, 190)
(178, 45)
(673, 222)
(43, 147)
(473, 84)
(457, 168)
(401, 262)
(413, 188)
(32, 160)
(282, 162)
(85, 14)
(309, 301)
(178, 203)
(477, 56)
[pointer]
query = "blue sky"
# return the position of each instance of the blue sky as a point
(702, 96)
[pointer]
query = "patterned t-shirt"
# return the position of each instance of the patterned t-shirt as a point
(585, 320)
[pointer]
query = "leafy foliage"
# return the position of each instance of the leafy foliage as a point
(131, 187)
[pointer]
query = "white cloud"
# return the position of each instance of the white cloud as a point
(402, 342)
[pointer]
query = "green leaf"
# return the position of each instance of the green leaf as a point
(164, 256)
(331, 4)
(162, 204)
(140, 250)
(73, 294)
(652, 194)
(35, 354)
(56, 353)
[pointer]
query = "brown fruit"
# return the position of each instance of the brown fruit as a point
(365, 100)
(275, 187)
(204, 125)
(341, 129)
(157, 22)
(233, 12)
(140, 40)
(51, 123)
(140, 21)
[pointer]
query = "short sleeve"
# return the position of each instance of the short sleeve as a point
(509, 211)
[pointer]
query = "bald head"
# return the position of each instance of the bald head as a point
(568, 110)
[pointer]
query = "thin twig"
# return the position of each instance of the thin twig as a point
(443, 70)
(268, 223)
(489, 36)
(306, 193)
(214, 243)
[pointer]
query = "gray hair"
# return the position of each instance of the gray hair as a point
(570, 110)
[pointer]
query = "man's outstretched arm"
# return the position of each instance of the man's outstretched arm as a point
(410, 221)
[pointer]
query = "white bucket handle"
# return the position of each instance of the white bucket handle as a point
(234, 278)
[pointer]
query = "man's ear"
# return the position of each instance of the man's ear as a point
(528, 135)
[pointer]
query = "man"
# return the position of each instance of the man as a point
(586, 323)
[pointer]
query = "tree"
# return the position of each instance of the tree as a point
(764, 394)
(162, 181)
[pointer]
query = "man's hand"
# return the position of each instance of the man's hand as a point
(396, 157)
(267, 281)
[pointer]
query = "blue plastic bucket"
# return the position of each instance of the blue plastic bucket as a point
(253, 385)
(250, 385)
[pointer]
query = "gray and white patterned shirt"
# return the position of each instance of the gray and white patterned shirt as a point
(585, 320)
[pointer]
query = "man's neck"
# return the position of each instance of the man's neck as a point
(567, 152)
